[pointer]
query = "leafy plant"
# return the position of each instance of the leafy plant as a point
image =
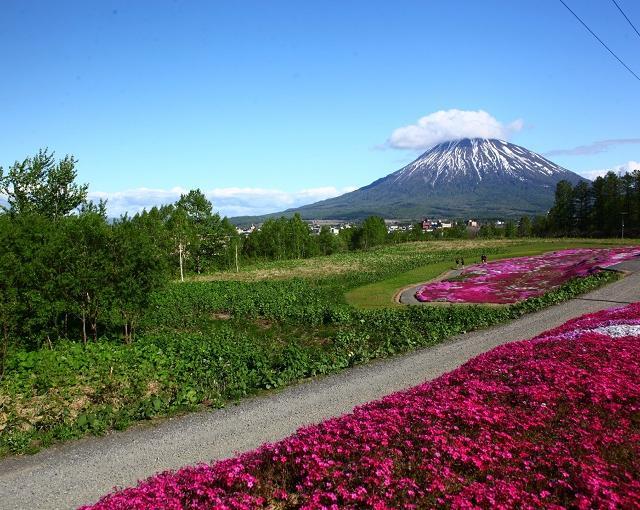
(74, 389)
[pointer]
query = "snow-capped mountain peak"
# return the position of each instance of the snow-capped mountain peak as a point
(477, 159)
(469, 178)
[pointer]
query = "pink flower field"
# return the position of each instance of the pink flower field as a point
(511, 280)
(552, 422)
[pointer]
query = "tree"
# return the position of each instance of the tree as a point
(40, 277)
(196, 206)
(325, 240)
(598, 213)
(8, 288)
(90, 285)
(539, 226)
(634, 212)
(524, 226)
(203, 232)
(271, 239)
(628, 201)
(40, 185)
(488, 230)
(155, 222)
(65, 275)
(458, 231)
(562, 214)
(329, 243)
(612, 204)
(346, 237)
(583, 207)
(230, 246)
(137, 269)
(298, 238)
(510, 230)
(372, 232)
(180, 232)
(280, 239)
(417, 232)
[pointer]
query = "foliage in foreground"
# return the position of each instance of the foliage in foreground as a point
(552, 422)
(75, 389)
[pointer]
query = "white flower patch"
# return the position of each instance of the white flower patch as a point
(613, 330)
(619, 330)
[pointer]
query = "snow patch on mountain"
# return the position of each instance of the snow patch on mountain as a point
(478, 159)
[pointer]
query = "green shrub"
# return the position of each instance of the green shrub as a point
(72, 390)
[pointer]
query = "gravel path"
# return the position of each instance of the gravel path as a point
(80, 472)
(407, 296)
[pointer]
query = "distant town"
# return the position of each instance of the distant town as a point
(393, 225)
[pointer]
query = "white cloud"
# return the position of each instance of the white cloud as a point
(446, 125)
(630, 166)
(594, 147)
(228, 201)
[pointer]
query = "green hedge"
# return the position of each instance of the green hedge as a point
(185, 305)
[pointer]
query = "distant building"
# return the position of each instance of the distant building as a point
(472, 223)
(245, 231)
(334, 226)
(429, 225)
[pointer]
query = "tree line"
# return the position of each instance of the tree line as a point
(67, 271)
(597, 209)
(607, 207)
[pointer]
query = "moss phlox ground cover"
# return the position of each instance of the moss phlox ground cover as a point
(552, 422)
(512, 280)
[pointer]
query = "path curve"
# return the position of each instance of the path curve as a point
(77, 473)
(407, 295)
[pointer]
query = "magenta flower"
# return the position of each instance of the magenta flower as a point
(552, 422)
(512, 280)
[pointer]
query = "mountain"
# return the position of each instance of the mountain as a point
(482, 178)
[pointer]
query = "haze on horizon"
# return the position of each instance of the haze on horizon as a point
(266, 107)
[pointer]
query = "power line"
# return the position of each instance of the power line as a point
(626, 17)
(600, 40)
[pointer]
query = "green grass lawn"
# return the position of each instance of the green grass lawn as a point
(381, 294)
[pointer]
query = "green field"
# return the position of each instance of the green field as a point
(224, 336)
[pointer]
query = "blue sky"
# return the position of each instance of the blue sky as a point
(265, 105)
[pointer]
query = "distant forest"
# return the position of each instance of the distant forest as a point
(607, 207)
(597, 209)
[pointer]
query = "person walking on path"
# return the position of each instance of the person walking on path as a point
(457, 262)
(483, 258)
(462, 262)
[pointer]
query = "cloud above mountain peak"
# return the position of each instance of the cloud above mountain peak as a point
(446, 125)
